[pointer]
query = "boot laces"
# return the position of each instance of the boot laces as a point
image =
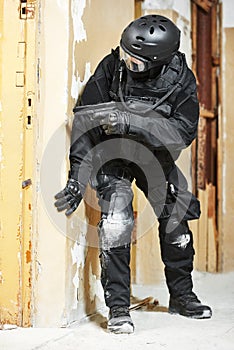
(120, 311)
(188, 298)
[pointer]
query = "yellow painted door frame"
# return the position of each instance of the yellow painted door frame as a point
(17, 97)
(138, 8)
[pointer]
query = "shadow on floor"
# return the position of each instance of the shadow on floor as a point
(148, 304)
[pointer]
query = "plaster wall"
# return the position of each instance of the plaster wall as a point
(65, 265)
(73, 36)
(226, 138)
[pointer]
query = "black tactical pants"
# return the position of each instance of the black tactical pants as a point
(115, 229)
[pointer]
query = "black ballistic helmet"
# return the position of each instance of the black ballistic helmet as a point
(152, 38)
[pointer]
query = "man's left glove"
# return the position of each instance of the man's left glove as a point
(113, 122)
(69, 198)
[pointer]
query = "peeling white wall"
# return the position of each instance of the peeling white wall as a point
(79, 33)
(226, 136)
(77, 83)
(181, 6)
(77, 11)
(65, 269)
(49, 243)
(92, 36)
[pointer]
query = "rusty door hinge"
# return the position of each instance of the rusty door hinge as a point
(27, 9)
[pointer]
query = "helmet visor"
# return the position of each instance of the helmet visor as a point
(132, 63)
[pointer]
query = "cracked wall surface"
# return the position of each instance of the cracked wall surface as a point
(62, 254)
(67, 268)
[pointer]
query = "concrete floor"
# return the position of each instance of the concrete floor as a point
(154, 329)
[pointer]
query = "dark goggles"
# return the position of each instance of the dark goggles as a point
(134, 64)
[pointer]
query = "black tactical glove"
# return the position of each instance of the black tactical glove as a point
(69, 198)
(113, 121)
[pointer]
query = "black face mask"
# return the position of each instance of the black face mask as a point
(149, 74)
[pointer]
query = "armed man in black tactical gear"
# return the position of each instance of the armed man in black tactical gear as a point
(138, 111)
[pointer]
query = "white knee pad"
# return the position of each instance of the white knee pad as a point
(115, 233)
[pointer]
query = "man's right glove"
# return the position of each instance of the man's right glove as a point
(113, 121)
(69, 198)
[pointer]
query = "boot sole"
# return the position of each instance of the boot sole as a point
(203, 315)
(124, 328)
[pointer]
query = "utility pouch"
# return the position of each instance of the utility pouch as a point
(186, 205)
(193, 212)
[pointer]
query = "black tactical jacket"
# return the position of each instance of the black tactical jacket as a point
(170, 126)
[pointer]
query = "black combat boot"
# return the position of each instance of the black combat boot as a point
(190, 306)
(120, 320)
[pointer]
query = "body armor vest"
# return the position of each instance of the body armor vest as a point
(159, 92)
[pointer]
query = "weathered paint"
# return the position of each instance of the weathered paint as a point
(226, 262)
(227, 238)
(96, 290)
(86, 49)
(66, 269)
(66, 274)
(182, 7)
(15, 289)
(78, 254)
(78, 84)
(49, 243)
(77, 11)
